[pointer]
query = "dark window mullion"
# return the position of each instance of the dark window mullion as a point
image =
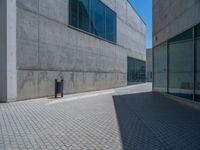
(78, 17)
(167, 69)
(194, 66)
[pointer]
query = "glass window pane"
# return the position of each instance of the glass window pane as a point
(98, 12)
(110, 25)
(160, 68)
(73, 13)
(181, 65)
(197, 71)
(84, 15)
(94, 17)
(136, 71)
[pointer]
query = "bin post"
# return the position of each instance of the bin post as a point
(55, 88)
(62, 87)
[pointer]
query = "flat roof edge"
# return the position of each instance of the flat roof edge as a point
(136, 12)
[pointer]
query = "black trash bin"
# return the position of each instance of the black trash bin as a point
(59, 87)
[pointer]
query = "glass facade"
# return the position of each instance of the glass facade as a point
(176, 65)
(136, 71)
(93, 17)
(83, 15)
(73, 12)
(110, 25)
(160, 68)
(181, 64)
(197, 62)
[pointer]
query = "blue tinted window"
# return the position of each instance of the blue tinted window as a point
(110, 25)
(84, 15)
(73, 12)
(98, 11)
(94, 17)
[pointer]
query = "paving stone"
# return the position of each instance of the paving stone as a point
(129, 119)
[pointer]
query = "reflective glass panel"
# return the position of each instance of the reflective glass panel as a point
(98, 11)
(181, 65)
(84, 15)
(160, 68)
(136, 71)
(93, 17)
(73, 17)
(110, 25)
(197, 70)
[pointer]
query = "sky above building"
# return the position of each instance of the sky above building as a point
(144, 9)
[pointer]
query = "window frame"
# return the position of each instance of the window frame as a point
(195, 36)
(90, 33)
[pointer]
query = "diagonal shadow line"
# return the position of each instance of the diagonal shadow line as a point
(134, 114)
(126, 114)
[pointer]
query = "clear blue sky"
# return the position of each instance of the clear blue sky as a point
(144, 9)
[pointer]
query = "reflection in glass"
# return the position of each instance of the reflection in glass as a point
(160, 68)
(136, 71)
(110, 25)
(73, 12)
(99, 18)
(84, 15)
(197, 70)
(94, 17)
(181, 65)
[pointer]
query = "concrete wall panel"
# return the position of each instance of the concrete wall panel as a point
(11, 51)
(30, 5)
(134, 21)
(27, 25)
(27, 84)
(171, 18)
(33, 84)
(56, 10)
(47, 48)
(27, 54)
(121, 9)
(3, 52)
(56, 58)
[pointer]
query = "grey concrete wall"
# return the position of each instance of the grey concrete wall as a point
(3, 45)
(11, 51)
(171, 17)
(149, 60)
(149, 64)
(47, 49)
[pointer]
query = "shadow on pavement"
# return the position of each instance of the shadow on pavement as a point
(152, 121)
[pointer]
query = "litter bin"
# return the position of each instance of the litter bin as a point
(59, 87)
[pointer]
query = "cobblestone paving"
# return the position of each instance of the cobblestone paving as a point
(100, 122)
(162, 123)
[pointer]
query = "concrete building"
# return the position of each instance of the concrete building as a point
(87, 43)
(176, 52)
(149, 68)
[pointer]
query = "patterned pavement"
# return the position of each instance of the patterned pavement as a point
(128, 118)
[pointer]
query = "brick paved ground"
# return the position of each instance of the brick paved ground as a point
(100, 121)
